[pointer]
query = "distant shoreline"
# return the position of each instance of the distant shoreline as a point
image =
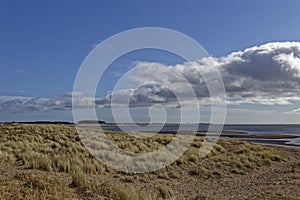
(141, 123)
(287, 140)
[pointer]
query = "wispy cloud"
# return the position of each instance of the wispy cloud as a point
(294, 111)
(19, 70)
(19, 104)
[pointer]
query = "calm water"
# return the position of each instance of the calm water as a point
(261, 129)
(251, 129)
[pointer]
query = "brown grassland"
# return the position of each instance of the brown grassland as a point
(50, 162)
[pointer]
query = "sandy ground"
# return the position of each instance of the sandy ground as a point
(277, 181)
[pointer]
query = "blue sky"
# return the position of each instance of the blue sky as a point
(43, 43)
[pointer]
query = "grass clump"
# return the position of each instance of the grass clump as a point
(131, 193)
(27, 185)
(166, 193)
(46, 147)
(79, 180)
(30, 185)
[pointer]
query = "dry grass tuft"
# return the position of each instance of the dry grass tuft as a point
(27, 185)
(57, 148)
(46, 147)
(166, 193)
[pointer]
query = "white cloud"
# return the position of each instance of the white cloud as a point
(8, 98)
(294, 111)
(19, 104)
(268, 74)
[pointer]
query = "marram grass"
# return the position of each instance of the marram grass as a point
(58, 148)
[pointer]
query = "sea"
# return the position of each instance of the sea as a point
(281, 129)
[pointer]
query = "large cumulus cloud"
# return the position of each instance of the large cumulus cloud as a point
(265, 74)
